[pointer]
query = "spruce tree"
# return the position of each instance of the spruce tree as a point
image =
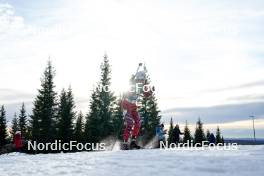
(3, 132)
(187, 134)
(118, 119)
(150, 114)
(106, 99)
(92, 124)
(207, 134)
(99, 121)
(222, 140)
(22, 122)
(15, 125)
(34, 126)
(79, 127)
(199, 135)
(66, 115)
(170, 138)
(28, 134)
(218, 138)
(45, 108)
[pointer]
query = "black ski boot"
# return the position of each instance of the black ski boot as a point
(133, 145)
(124, 146)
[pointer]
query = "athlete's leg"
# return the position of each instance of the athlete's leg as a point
(137, 124)
(131, 116)
(128, 126)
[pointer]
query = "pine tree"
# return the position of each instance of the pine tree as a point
(15, 126)
(207, 134)
(28, 134)
(45, 108)
(150, 114)
(99, 121)
(222, 140)
(199, 135)
(34, 126)
(118, 119)
(106, 99)
(23, 121)
(170, 138)
(218, 138)
(92, 125)
(66, 115)
(79, 127)
(187, 134)
(3, 133)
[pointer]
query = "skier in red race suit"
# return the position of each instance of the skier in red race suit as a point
(18, 141)
(129, 105)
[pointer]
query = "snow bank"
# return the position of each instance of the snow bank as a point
(248, 160)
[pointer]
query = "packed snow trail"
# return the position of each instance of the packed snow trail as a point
(248, 160)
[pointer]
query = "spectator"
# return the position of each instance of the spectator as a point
(160, 132)
(18, 141)
(176, 134)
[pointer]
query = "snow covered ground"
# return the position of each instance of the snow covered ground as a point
(248, 160)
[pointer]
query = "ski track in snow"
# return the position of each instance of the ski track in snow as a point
(248, 160)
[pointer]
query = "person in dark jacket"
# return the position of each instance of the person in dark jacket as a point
(176, 134)
(211, 139)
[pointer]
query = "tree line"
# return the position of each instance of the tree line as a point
(199, 134)
(54, 115)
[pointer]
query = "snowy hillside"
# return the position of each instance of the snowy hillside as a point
(248, 160)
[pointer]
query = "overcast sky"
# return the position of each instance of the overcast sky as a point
(205, 58)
